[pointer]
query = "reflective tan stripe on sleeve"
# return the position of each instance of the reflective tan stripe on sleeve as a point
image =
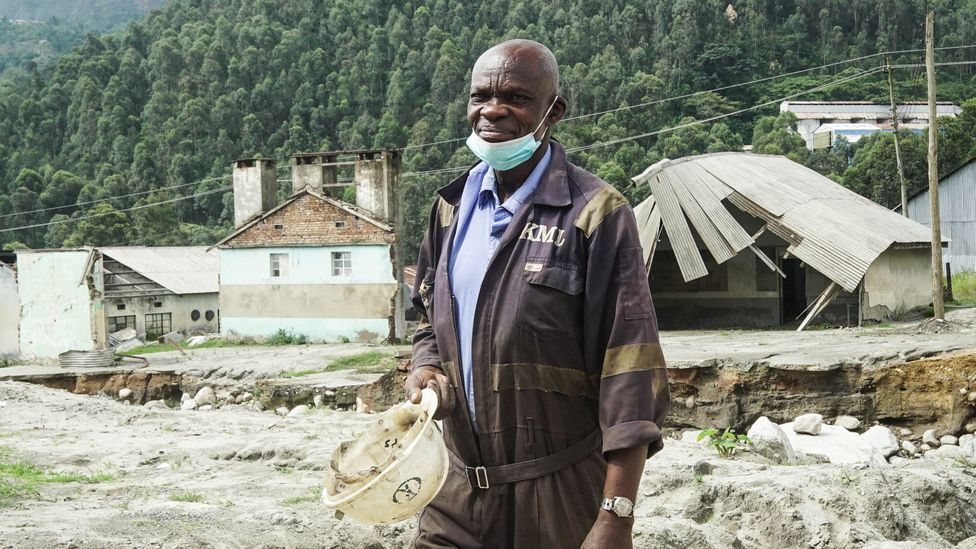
(541, 377)
(632, 358)
(445, 212)
(603, 202)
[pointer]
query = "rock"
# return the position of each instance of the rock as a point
(925, 447)
(968, 543)
(125, 393)
(257, 405)
(329, 393)
(299, 410)
(971, 426)
(905, 433)
(281, 411)
(808, 424)
(185, 397)
(188, 405)
(899, 461)
(362, 407)
(949, 440)
(965, 440)
(196, 340)
(963, 390)
(205, 396)
(317, 401)
(909, 447)
(239, 399)
(702, 468)
(929, 437)
(127, 403)
(247, 397)
(769, 440)
(205, 407)
(690, 436)
(947, 452)
(850, 423)
(971, 397)
(882, 439)
(155, 405)
(690, 402)
(838, 445)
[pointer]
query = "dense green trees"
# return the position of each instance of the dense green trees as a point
(172, 99)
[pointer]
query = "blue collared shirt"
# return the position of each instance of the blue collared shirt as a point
(481, 224)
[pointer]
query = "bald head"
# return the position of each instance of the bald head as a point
(525, 56)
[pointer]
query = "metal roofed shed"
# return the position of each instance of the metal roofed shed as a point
(782, 242)
(177, 269)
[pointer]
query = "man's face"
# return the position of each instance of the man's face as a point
(508, 98)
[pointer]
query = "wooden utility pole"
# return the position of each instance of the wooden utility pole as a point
(936, 219)
(894, 120)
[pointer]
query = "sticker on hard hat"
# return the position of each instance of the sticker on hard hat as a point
(408, 490)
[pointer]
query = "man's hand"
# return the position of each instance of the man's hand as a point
(610, 532)
(432, 378)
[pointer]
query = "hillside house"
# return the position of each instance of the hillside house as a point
(753, 241)
(315, 265)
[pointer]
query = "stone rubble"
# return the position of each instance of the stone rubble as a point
(809, 424)
(930, 437)
(882, 439)
(948, 440)
(205, 395)
(850, 423)
(769, 440)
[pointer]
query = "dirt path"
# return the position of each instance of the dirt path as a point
(235, 477)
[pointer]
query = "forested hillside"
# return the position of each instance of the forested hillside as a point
(169, 101)
(84, 14)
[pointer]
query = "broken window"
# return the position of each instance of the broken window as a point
(279, 265)
(116, 323)
(158, 324)
(341, 263)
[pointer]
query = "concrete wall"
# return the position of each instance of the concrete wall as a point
(308, 299)
(9, 315)
(898, 281)
(180, 308)
(57, 304)
(254, 188)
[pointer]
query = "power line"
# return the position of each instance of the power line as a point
(132, 209)
(721, 88)
(843, 80)
(115, 197)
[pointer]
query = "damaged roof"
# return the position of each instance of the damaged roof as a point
(180, 269)
(830, 228)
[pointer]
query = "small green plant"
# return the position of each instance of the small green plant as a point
(285, 337)
(726, 444)
(187, 497)
(4, 363)
(343, 339)
(312, 496)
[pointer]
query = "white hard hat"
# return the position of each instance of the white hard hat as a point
(393, 470)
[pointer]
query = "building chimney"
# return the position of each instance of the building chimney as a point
(314, 170)
(377, 177)
(254, 188)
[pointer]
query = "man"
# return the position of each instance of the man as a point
(539, 336)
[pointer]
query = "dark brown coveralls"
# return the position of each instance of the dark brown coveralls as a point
(567, 364)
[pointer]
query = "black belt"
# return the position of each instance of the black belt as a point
(484, 477)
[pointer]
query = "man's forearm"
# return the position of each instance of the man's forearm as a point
(624, 470)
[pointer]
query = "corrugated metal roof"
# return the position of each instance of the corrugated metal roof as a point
(862, 109)
(180, 269)
(834, 230)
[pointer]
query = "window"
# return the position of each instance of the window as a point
(157, 304)
(279, 226)
(116, 323)
(195, 315)
(279, 265)
(341, 263)
(340, 224)
(120, 307)
(158, 324)
(210, 315)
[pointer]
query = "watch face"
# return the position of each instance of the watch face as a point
(623, 507)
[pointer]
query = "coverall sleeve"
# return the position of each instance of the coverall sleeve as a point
(424, 343)
(622, 336)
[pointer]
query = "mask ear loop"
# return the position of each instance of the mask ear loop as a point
(548, 111)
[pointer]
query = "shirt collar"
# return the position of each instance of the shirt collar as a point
(522, 194)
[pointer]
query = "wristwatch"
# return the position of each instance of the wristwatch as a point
(620, 506)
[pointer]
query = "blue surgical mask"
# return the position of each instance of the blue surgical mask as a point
(506, 155)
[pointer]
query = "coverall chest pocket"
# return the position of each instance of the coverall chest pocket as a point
(550, 300)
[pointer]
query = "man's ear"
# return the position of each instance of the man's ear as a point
(558, 111)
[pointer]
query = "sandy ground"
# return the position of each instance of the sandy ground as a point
(258, 475)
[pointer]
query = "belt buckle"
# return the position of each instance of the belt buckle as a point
(481, 476)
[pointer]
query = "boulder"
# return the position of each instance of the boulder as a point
(929, 437)
(949, 440)
(155, 405)
(808, 424)
(966, 439)
(850, 423)
(769, 440)
(317, 400)
(837, 445)
(882, 439)
(299, 410)
(188, 405)
(905, 432)
(247, 397)
(125, 393)
(281, 411)
(205, 396)
(899, 461)
(947, 452)
(909, 447)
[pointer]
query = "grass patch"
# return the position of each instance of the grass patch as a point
(313, 496)
(22, 480)
(964, 288)
(285, 337)
(187, 497)
(167, 347)
(366, 363)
